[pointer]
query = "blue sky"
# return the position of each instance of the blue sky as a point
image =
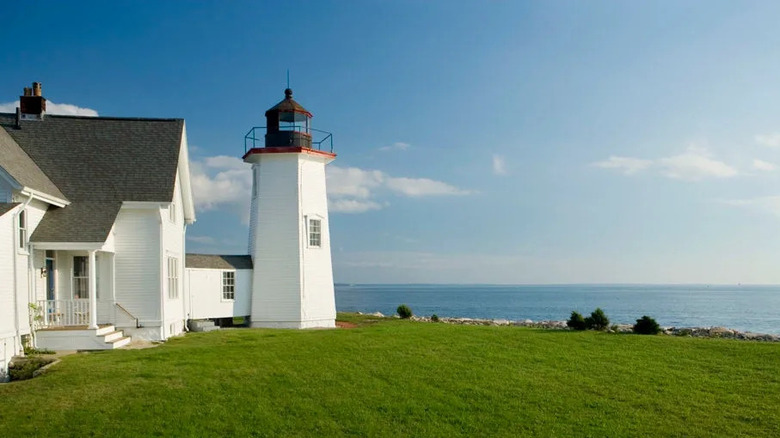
(478, 142)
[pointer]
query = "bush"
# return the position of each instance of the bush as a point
(576, 321)
(404, 311)
(435, 318)
(646, 326)
(597, 320)
(23, 369)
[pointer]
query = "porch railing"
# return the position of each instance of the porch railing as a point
(62, 313)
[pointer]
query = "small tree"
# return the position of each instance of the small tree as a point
(435, 318)
(576, 321)
(404, 311)
(646, 326)
(597, 320)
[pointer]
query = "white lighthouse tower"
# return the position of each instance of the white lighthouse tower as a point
(289, 238)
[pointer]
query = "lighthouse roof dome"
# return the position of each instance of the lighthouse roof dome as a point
(289, 105)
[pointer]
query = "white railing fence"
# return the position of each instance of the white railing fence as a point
(61, 313)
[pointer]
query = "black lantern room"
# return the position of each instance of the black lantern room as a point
(288, 124)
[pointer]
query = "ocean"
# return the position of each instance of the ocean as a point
(740, 307)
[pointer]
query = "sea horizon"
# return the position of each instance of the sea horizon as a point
(743, 307)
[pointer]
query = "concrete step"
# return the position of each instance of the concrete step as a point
(202, 326)
(104, 330)
(120, 342)
(113, 336)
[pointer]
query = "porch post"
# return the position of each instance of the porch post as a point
(92, 291)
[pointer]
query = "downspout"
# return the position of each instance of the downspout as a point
(185, 281)
(16, 281)
(163, 265)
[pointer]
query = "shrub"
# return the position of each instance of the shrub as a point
(404, 311)
(576, 321)
(25, 368)
(646, 326)
(435, 318)
(597, 320)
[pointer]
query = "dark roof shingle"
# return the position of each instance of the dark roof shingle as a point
(103, 158)
(215, 261)
(5, 208)
(23, 169)
(97, 163)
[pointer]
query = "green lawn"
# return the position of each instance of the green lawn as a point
(400, 378)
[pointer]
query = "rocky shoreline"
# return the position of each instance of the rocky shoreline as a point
(695, 332)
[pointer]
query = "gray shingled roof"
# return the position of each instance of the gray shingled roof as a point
(214, 261)
(97, 163)
(5, 208)
(78, 222)
(23, 169)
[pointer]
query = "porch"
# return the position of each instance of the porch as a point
(74, 306)
(81, 337)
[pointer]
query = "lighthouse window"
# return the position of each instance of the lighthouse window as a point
(315, 233)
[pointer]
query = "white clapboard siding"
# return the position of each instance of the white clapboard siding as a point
(276, 284)
(205, 290)
(137, 242)
(7, 254)
(292, 284)
(173, 246)
(319, 299)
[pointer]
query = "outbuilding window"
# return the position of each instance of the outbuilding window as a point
(315, 233)
(228, 285)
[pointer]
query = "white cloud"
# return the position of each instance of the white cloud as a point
(764, 165)
(627, 165)
(770, 140)
(695, 164)
(354, 190)
(222, 182)
(769, 204)
(499, 165)
(397, 146)
(64, 109)
(352, 206)
(206, 240)
(351, 182)
(225, 162)
(417, 187)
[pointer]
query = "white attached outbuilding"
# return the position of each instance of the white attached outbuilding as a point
(218, 286)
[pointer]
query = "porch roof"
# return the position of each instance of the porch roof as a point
(217, 261)
(5, 208)
(78, 222)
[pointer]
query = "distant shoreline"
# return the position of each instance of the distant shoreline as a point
(695, 332)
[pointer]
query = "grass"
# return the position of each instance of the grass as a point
(400, 378)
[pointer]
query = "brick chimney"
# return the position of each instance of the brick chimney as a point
(32, 104)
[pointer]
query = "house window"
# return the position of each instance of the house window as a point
(80, 277)
(315, 233)
(22, 229)
(228, 285)
(172, 212)
(173, 277)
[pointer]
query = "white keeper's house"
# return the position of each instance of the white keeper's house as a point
(93, 217)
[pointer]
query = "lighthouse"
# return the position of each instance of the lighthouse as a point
(289, 238)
